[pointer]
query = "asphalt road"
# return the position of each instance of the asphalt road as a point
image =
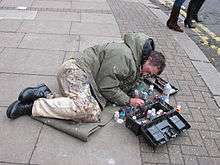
(210, 14)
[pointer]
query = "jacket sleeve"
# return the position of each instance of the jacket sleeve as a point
(109, 86)
(115, 95)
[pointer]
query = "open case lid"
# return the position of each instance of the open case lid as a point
(159, 83)
(164, 128)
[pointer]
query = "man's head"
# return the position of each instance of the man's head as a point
(154, 63)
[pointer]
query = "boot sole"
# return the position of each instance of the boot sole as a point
(10, 107)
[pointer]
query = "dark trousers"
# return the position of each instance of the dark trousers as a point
(193, 8)
(178, 3)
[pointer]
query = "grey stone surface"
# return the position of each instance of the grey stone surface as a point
(10, 39)
(12, 84)
(46, 26)
(1, 49)
(210, 75)
(95, 29)
(190, 47)
(97, 18)
(8, 25)
(57, 16)
(208, 161)
(16, 3)
(175, 154)
(17, 138)
(52, 4)
(212, 147)
(92, 0)
(113, 144)
(50, 42)
(155, 157)
(190, 160)
(29, 61)
(89, 40)
(210, 134)
(90, 5)
(18, 14)
(217, 99)
(194, 150)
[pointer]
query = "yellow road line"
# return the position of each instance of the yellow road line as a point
(204, 39)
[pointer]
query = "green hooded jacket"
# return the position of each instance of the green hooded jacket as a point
(113, 68)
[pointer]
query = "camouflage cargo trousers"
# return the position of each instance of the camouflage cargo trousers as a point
(76, 103)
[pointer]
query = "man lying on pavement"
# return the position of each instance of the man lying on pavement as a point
(100, 74)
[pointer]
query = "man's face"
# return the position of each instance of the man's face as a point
(149, 69)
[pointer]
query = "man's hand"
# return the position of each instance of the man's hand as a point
(136, 102)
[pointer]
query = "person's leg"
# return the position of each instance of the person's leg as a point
(189, 14)
(66, 108)
(173, 19)
(77, 104)
(198, 5)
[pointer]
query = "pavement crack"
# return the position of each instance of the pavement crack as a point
(35, 145)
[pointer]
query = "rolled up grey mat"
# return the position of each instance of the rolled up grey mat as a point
(81, 131)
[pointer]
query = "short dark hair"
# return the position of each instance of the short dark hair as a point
(158, 60)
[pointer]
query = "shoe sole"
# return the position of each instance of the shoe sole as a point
(8, 112)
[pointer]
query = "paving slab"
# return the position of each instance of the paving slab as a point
(9, 25)
(58, 16)
(18, 14)
(88, 41)
(112, 144)
(1, 49)
(91, 0)
(10, 39)
(46, 26)
(29, 61)
(16, 3)
(97, 18)
(52, 4)
(50, 42)
(190, 47)
(210, 75)
(17, 138)
(12, 84)
(217, 99)
(95, 29)
(90, 5)
(208, 161)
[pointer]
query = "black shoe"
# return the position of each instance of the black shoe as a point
(188, 23)
(31, 94)
(174, 27)
(196, 19)
(17, 109)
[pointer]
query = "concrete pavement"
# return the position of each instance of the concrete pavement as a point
(35, 41)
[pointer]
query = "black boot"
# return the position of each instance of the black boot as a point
(31, 94)
(188, 20)
(188, 23)
(17, 109)
(172, 21)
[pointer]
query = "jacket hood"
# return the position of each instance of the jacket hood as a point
(139, 43)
